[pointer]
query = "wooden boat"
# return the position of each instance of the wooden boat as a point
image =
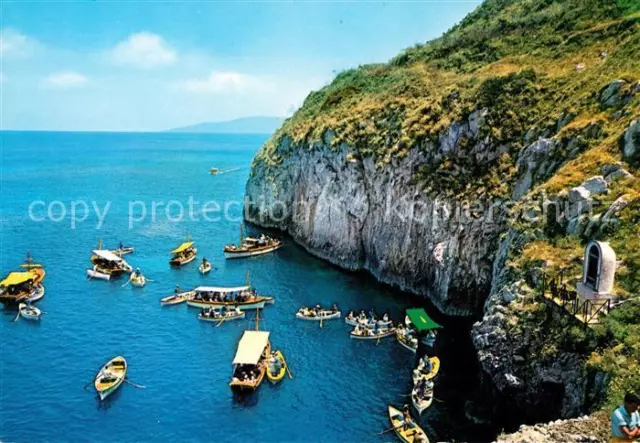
(250, 362)
(123, 250)
(23, 286)
(218, 315)
(410, 343)
(110, 377)
(411, 433)
(421, 403)
(310, 314)
(204, 268)
(107, 265)
(183, 254)
(251, 246)
(214, 171)
(419, 373)
(29, 312)
(242, 297)
(365, 333)
(138, 281)
(176, 299)
(273, 375)
(353, 320)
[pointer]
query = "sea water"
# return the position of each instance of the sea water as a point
(340, 387)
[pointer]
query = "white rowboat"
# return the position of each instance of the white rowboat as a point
(323, 315)
(29, 312)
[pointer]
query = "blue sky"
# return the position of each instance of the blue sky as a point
(153, 65)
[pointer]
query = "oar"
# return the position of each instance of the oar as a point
(221, 321)
(321, 321)
(393, 428)
(286, 366)
(87, 385)
(128, 281)
(134, 384)
(17, 316)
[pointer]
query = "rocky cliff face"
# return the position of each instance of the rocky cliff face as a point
(378, 218)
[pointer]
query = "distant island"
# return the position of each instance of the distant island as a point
(246, 125)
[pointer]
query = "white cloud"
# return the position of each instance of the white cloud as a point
(221, 82)
(15, 44)
(143, 50)
(65, 79)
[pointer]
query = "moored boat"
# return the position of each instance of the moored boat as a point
(408, 432)
(204, 268)
(110, 377)
(250, 361)
(371, 322)
(176, 299)
(21, 286)
(422, 396)
(251, 246)
(365, 333)
(315, 314)
(219, 315)
(407, 339)
(29, 312)
(123, 250)
(242, 297)
(183, 254)
(277, 367)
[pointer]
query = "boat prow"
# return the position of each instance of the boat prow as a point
(176, 299)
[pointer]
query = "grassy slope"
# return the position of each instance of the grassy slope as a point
(517, 58)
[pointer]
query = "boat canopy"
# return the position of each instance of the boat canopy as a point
(108, 255)
(218, 289)
(183, 247)
(421, 320)
(251, 346)
(17, 278)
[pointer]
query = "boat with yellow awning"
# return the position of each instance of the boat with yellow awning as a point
(23, 286)
(183, 254)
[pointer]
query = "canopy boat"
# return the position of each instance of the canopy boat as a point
(218, 315)
(250, 246)
(23, 286)
(250, 362)
(110, 377)
(422, 397)
(204, 268)
(421, 371)
(407, 339)
(29, 312)
(316, 315)
(366, 333)
(183, 254)
(407, 432)
(277, 367)
(176, 299)
(242, 297)
(427, 328)
(107, 265)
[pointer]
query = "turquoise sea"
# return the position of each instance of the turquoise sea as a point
(340, 387)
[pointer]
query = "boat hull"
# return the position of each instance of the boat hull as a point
(182, 262)
(419, 404)
(277, 378)
(405, 345)
(176, 299)
(379, 323)
(98, 275)
(204, 269)
(37, 294)
(139, 282)
(219, 319)
(29, 313)
(243, 254)
(209, 304)
(119, 375)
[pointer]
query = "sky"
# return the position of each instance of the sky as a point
(122, 65)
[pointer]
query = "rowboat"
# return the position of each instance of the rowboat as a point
(106, 265)
(21, 286)
(176, 299)
(242, 297)
(183, 254)
(110, 377)
(409, 432)
(29, 312)
(218, 315)
(364, 333)
(138, 281)
(313, 315)
(419, 372)
(214, 171)
(353, 320)
(277, 367)
(123, 250)
(408, 342)
(251, 246)
(422, 403)
(250, 362)
(269, 300)
(204, 268)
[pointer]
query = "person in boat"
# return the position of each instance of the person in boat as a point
(406, 418)
(204, 262)
(385, 317)
(137, 273)
(317, 309)
(120, 247)
(334, 308)
(625, 421)
(177, 290)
